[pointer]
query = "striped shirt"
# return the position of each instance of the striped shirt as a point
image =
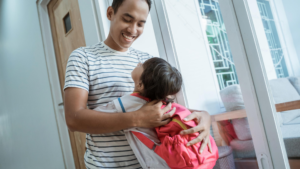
(106, 74)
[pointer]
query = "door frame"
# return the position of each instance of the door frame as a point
(54, 83)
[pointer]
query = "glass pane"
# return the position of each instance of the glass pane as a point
(200, 40)
(218, 43)
(273, 39)
(281, 25)
(67, 23)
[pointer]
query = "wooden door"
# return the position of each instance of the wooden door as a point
(67, 32)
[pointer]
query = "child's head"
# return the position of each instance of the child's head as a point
(156, 79)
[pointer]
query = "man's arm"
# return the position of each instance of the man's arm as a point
(80, 118)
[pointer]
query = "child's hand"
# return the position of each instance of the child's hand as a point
(151, 115)
(202, 118)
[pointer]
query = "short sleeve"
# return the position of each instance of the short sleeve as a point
(77, 70)
(107, 108)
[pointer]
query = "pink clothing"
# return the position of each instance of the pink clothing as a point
(173, 147)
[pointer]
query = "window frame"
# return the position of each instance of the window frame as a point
(266, 134)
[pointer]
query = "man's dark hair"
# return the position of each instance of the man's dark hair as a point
(117, 3)
(160, 80)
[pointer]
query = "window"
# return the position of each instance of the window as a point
(273, 39)
(193, 54)
(67, 23)
(218, 43)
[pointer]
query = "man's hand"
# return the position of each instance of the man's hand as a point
(151, 115)
(202, 118)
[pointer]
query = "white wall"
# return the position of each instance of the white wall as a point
(89, 22)
(292, 13)
(28, 132)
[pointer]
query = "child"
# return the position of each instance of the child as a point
(162, 147)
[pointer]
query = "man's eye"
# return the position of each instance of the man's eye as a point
(126, 20)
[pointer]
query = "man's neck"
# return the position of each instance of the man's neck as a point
(113, 45)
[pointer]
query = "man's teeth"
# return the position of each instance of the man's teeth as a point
(128, 37)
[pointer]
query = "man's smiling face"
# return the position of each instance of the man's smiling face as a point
(127, 24)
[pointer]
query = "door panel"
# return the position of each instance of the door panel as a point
(67, 32)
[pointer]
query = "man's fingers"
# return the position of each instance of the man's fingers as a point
(192, 130)
(196, 140)
(165, 122)
(166, 116)
(169, 114)
(190, 117)
(167, 108)
(209, 146)
(154, 102)
(188, 131)
(203, 145)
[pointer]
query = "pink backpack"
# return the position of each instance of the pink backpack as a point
(173, 145)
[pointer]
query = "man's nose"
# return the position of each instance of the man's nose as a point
(132, 29)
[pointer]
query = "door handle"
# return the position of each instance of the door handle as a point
(61, 104)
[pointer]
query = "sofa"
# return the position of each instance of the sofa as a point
(283, 90)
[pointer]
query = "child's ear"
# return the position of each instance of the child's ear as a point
(140, 86)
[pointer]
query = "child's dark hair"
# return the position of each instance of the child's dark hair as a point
(160, 80)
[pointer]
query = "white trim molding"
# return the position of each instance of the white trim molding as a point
(54, 83)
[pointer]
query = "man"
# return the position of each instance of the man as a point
(101, 73)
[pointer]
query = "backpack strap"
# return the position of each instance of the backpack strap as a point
(147, 142)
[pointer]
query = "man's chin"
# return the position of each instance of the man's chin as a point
(126, 45)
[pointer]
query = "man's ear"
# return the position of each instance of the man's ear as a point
(109, 13)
